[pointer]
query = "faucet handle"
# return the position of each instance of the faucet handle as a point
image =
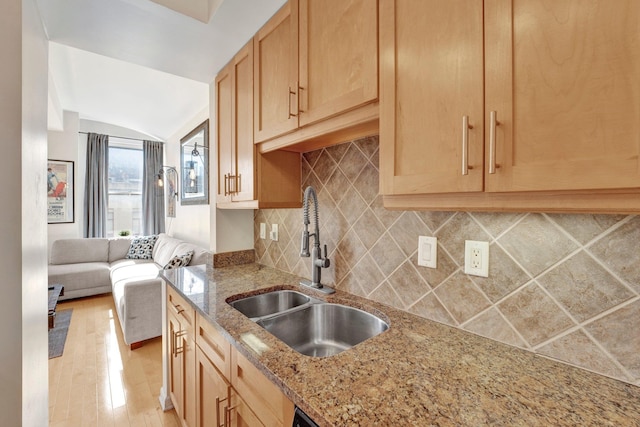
(325, 260)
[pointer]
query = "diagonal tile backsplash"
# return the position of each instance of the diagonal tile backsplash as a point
(563, 286)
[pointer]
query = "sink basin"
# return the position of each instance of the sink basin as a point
(324, 329)
(258, 306)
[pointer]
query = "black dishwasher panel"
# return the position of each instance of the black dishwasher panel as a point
(300, 419)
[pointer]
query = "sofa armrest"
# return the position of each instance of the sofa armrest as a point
(139, 306)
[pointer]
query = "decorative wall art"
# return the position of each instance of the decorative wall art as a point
(171, 192)
(59, 191)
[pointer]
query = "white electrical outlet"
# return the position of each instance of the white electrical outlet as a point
(263, 230)
(428, 251)
(274, 232)
(476, 258)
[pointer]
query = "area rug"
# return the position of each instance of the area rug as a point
(58, 334)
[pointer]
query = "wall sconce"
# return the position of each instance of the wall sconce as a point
(172, 178)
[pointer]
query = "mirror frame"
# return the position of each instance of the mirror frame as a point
(200, 165)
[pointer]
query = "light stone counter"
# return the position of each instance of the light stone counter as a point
(417, 373)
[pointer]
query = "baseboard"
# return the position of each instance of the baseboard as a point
(165, 400)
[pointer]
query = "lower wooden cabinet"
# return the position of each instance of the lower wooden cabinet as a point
(180, 318)
(210, 383)
(239, 414)
(212, 392)
(271, 406)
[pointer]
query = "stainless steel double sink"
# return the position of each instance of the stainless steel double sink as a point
(308, 325)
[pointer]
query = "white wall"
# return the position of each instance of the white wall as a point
(113, 130)
(63, 145)
(23, 120)
(192, 222)
(68, 144)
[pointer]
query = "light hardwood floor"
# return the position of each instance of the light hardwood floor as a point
(99, 381)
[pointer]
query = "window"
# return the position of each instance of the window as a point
(124, 208)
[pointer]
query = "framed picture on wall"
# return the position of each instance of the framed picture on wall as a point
(59, 191)
(171, 192)
(194, 166)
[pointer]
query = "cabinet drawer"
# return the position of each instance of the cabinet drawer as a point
(183, 311)
(266, 400)
(214, 345)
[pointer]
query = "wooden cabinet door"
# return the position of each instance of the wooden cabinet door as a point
(212, 392)
(563, 78)
(431, 78)
(240, 415)
(264, 398)
(180, 327)
(176, 365)
(243, 124)
(189, 380)
(224, 131)
(338, 64)
(276, 74)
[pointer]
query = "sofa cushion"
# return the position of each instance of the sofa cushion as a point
(71, 251)
(179, 261)
(165, 248)
(119, 248)
(200, 255)
(142, 247)
(76, 276)
(133, 269)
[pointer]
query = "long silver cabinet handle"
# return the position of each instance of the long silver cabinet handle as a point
(292, 92)
(465, 145)
(178, 349)
(218, 401)
(493, 122)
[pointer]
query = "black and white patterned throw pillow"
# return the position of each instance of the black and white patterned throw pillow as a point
(179, 261)
(142, 247)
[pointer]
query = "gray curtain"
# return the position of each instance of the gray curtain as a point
(96, 196)
(152, 194)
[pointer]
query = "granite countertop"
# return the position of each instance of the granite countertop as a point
(418, 372)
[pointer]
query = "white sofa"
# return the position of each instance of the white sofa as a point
(96, 266)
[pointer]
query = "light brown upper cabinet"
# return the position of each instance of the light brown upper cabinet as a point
(276, 74)
(234, 88)
(432, 65)
(246, 178)
(540, 114)
(338, 61)
(314, 60)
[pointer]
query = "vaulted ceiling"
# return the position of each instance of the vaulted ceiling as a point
(141, 64)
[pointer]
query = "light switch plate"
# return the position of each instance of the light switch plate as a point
(263, 230)
(274, 232)
(476, 258)
(428, 251)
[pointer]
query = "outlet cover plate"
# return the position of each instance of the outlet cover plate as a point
(476, 258)
(428, 251)
(274, 232)
(263, 230)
